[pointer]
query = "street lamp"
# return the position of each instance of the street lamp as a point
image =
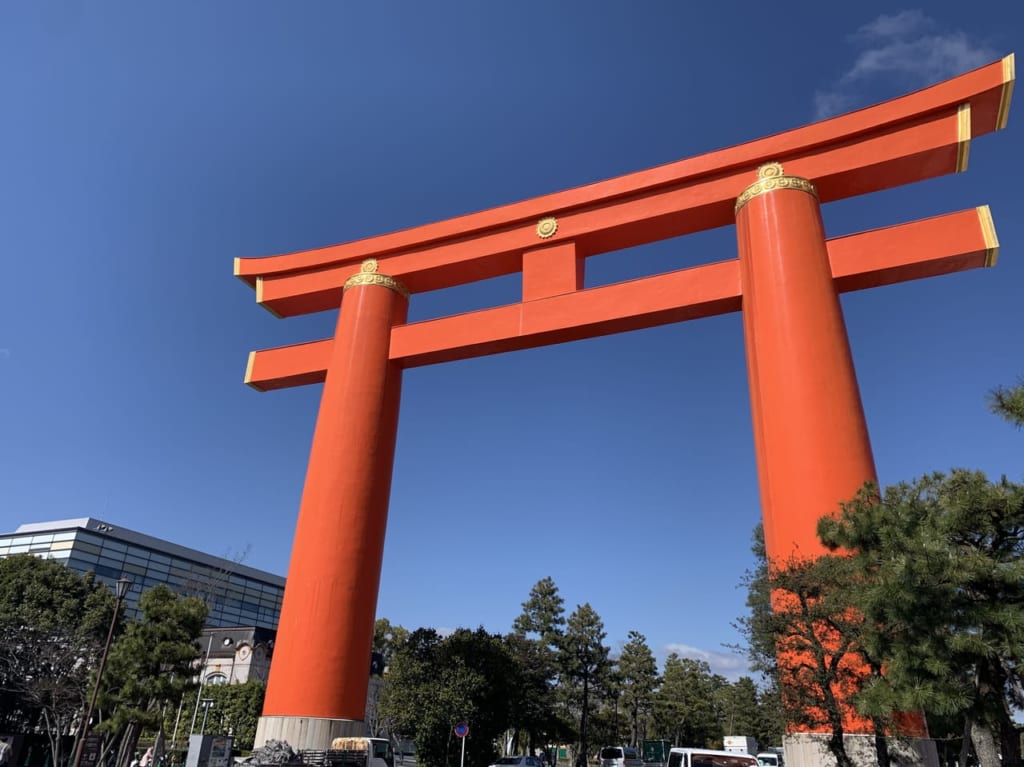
(120, 591)
(207, 705)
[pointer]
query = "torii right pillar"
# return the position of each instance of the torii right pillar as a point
(810, 434)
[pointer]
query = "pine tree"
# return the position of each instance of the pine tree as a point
(150, 667)
(543, 614)
(739, 710)
(584, 662)
(942, 573)
(638, 674)
(1008, 402)
(684, 706)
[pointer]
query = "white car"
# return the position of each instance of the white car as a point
(518, 761)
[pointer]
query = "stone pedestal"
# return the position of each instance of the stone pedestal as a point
(305, 732)
(811, 750)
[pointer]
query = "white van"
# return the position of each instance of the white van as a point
(620, 756)
(769, 759)
(707, 757)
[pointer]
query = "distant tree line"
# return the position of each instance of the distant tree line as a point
(553, 680)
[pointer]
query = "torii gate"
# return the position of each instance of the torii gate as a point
(810, 435)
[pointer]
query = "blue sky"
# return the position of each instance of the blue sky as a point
(145, 145)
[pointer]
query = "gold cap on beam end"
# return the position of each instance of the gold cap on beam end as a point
(988, 232)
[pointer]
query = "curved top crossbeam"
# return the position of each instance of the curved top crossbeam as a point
(917, 136)
(548, 238)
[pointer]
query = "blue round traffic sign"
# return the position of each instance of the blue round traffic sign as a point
(462, 729)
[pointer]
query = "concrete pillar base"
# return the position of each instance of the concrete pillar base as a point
(811, 750)
(301, 732)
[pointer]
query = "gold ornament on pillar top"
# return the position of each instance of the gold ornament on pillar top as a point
(368, 275)
(769, 178)
(547, 227)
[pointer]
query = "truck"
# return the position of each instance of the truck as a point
(740, 744)
(655, 752)
(360, 752)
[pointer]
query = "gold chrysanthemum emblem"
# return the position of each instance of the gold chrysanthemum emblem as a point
(547, 227)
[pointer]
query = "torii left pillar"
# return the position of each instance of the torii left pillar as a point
(325, 633)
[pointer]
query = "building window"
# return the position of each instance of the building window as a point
(216, 679)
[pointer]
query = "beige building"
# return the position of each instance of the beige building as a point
(234, 655)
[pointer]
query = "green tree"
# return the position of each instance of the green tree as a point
(738, 708)
(606, 722)
(53, 623)
(1008, 402)
(584, 663)
(771, 724)
(532, 706)
(638, 672)
(150, 667)
(941, 577)
(803, 609)
(534, 641)
(828, 649)
(756, 627)
(543, 614)
(435, 683)
(760, 647)
(387, 638)
(684, 706)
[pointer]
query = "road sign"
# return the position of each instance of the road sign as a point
(462, 729)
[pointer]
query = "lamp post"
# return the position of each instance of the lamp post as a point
(207, 705)
(120, 591)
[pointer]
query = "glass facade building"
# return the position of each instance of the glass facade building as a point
(237, 595)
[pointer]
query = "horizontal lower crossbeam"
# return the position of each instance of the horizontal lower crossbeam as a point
(941, 245)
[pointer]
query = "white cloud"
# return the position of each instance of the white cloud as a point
(730, 665)
(900, 24)
(828, 103)
(905, 48)
(927, 59)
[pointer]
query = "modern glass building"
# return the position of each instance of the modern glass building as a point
(237, 595)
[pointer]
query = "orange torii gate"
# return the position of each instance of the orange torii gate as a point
(809, 430)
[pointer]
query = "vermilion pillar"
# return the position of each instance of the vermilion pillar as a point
(810, 434)
(319, 677)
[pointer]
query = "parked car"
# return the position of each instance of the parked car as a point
(620, 756)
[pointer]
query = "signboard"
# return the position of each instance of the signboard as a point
(462, 729)
(92, 746)
(220, 752)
